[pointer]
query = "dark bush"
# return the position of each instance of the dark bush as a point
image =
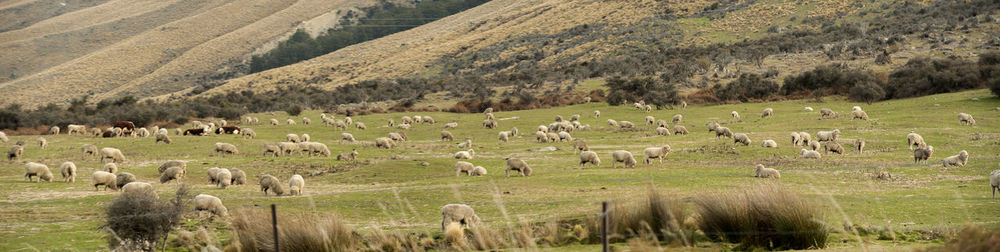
(748, 87)
(833, 79)
(294, 110)
(138, 221)
(924, 76)
(867, 92)
(653, 91)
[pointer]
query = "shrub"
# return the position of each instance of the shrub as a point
(764, 216)
(658, 215)
(654, 91)
(989, 70)
(867, 92)
(294, 110)
(137, 221)
(832, 79)
(924, 76)
(748, 87)
(297, 232)
(974, 238)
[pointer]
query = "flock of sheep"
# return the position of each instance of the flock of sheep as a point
(560, 130)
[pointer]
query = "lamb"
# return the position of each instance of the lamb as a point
(163, 167)
(466, 144)
(385, 142)
(814, 145)
(767, 113)
(736, 116)
(806, 138)
(451, 125)
(995, 182)
(809, 154)
(680, 130)
(677, 118)
(517, 165)
(172, 173)
(742, 138)
(503, 136)
(957, 160)
(661, 131)
(32, 169)
(796, 139)
(223, 178)
(833, 146)
(966, 119)
(827, 113)
(650, 120)
(859, 144)
(226, 148)
(349, 156)
(612, 123)
(290, 121)
(712, 126)
(89, 150)
(239, 177)
(922, 153)
(626, 124)
(540, 136)
(465, 154)
(68, 170)
(824, 136)
(274, 122)
(115, 155)
(123, 179)
(769, 144)
(54, 130)
(624, 157)
(111, 167)
(73, 128)
(163, 138)
(656, 152)
(565, 136)
(305, 138)
(458, 213)
(447, 136)
(914, 139)
(107, 179)
(268, 182)
(318, 149)
(589, 157)
(205, 202)
(140, 188)
(762, 172)
(293, 138)
(859, 114)
(248, 133)
(723, 131)
(361, 126)
(295, 184)
(42, 143)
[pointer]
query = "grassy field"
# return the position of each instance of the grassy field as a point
(391, 190)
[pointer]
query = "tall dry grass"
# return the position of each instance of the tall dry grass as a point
(296, 232)
(763, 216)
(974, 238)
(657, 217)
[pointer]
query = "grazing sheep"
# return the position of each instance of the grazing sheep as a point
(111, 167)
(712, 126)
(580, 145)
(290, 121)
(3, 137)
(32, 169)
(680, 130)
(239, 177)
(995, 182)
(517, 165)
(42, 143)
(814, 146)
(478, 171)
(68, 170)
(761, 172)
(385, 142)
(142, 132)
(406, 120)
(140, 188)
(274, 122)
(403, 126)
(662, 123)
(205, 202)
(162, 131)
(624, 157)
(462, 166)
(769, 144)
(553, 137)
(767, 113)
(465, 154)
(859, 114)
(429, 120)
(922, 153)
(178, 131)
(171, 163)
(213, 175)
(589, 157)
(565, 136)
(612, 123)
(360, 126)
(736, 116)
(914, 139)
(723, 131)
(796, 139)
(123, 179)
(172, 173)
(226, 148)
(809, 154)
(859, 145)
(514, 132)
(824, 136)
(458, 213)
(351, 156)
(451, 125)
(808, 109)
(319, 149)
(656, 152)
(224, 178)
(340, 124)
(827, 113)
(466, 144)
(73, 128)
(293, 138)
(248, 133)
(268, 182)
(305, 138)
(833, 146)
(661, 131)
(107, 179)
(559, 118)
(295, 185)
(344, 136)
(626, 124)
(503, 136)
(966, 119)
(272, 149)
(54, 130)
(488, 110)
(163, 138)
(541, 136)
(597, 114)
(398, 136)
(490, 124)
(650, 120)
(677, 118)
(649, 108)
(347, 119)
(89, 150)
(115, 155)
(806, 137)
(742, 138)
(957, 160)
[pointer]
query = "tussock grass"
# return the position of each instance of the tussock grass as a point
(657, 217)
(974, 238)
(765, 215)
(296, 232)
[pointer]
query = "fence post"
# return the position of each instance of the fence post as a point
(274, 224)
(604, 225)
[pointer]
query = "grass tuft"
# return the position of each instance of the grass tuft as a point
(296, 232)
(765, 216)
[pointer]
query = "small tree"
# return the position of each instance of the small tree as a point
(654, 91)
(137, 220)
(867, 92)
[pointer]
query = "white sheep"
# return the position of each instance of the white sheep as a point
(319, 149)
(503, 136)
(295, 185)
(649, 108)
(680, 130)
(239, 176)
(810, 154)
(3, 137)
(589, 157)
(171, 163)
(142, 132)
(429, 120)
(490, 124)
(478, 171)
(806, 137)
(712, 126)
(293, 138)
(626, 124)
(213, 175)
(769, 143)
(54, 130)
(403, 126)
(68, 170)
(384, 142)
(859, 114)
(274, 122)
(677, 118)
(735, 115)
(995, 182)
(966, 119)
(808, 109)
(32, 169)
(290, 121)
(742, 138)
(914, 139)
(622, 156)
(465, 154)
(73, 128)
(565, 136)
(611, 123)
(305, 138)
(796, 139)
(107, 179)
(124, 178)
(662, 123)
(115, 155)
(447, 136)
(360, 126)
(89, 150)
(661, 131)
(171, 174)
(723, 131)
(205, 202)
(833, 146)
(597, 114)
(462, 166)
(827, 113)
(650, 120)
(824, 136)
(814, 146)
(466, 144)
(761, 172)
(351, 156)
(226, 148)
(767, 113)
(42, 143)
(559, 118)
(349, 121)
(656, 152)
(224, 178)
(553, 137)
(163, 138)
(922, 153)
(268, 182)
(398, 136)
(458, 213)
(111, 167)
(451, 125)
(541, 136)
(517, 165)
(959, 159)
(140, 188)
